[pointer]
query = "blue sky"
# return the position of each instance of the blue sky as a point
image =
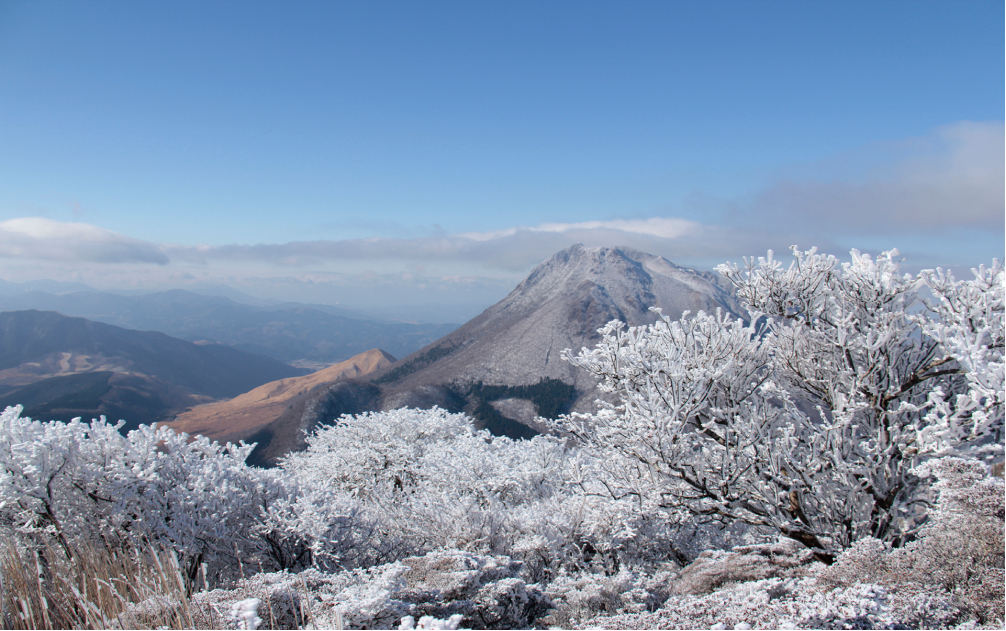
(394, 155)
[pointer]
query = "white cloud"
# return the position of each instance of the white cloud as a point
(664, 227)
(918, 194)
(511, 252)
(44, 239)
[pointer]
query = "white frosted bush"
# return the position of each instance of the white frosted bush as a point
(86, 481)
(244, 614)
(959, 553)
(584, 595)
(807, 419)
(429, 622)
(427, 479)
(359, 454)
(805, 603)
(433, 481)
(306, 524)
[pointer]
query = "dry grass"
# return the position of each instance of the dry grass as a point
(91, 588)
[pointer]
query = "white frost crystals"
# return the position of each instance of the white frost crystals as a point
(808, 419)
(86, 481)
(970, 327)
(244, 614)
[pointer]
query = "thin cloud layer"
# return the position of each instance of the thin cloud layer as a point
(44, 239)
(951, 179)
(513, 250)
(663, 227)
(949, 182)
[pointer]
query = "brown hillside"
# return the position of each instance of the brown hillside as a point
(245, 414)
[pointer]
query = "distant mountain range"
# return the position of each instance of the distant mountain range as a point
(60, 367)
(311, 336)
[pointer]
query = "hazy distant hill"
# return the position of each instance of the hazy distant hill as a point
(60, 367)
(134, 398)
(310, 335)
(273, 415)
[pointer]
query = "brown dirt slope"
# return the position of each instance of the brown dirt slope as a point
(245, 414)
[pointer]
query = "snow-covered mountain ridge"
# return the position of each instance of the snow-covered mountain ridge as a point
(560, 305)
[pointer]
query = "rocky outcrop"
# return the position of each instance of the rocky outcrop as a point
(485, 591)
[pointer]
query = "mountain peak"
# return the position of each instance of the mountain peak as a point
(561, 304)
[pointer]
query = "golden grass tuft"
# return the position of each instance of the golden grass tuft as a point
(91, 587)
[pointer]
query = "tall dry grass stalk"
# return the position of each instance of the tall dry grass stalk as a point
(92, 588)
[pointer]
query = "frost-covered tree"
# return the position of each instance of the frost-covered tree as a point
(430, 476)
(808, 418)
(969, 327)
(359, 454)
(85, 483)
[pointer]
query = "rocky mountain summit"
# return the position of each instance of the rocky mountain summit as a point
(561, 304)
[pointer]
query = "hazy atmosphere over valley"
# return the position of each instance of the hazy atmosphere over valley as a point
(416, 160)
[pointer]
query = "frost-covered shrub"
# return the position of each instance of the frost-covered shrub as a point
(581, 596)
(431, 480)
(372, 489)
(306, 524)
(85, 482)
(487, 591)
(351, 599)
(794, 603)
(460, 588)
(715, 568)
(808, 418)
(866, 561)
(950, 577)
(360, 454)
(429, 622)
(959, 552)
(427, 479)
(244, 614)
